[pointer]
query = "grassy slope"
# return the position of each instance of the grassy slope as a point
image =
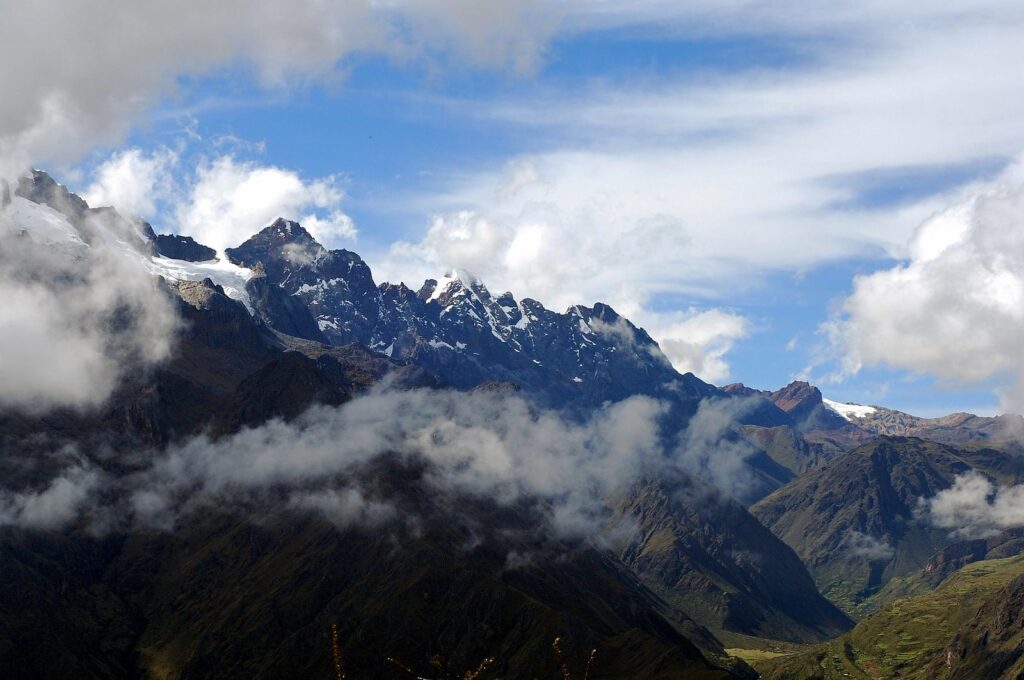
(901, 639)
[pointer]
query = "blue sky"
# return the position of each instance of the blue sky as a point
(722, 177)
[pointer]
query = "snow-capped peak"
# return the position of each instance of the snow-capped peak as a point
(455, 279)
(849, 411)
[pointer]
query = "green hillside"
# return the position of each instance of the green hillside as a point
(905, 637)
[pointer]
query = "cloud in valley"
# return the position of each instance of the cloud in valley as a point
(328, 461)
(864, 545)
(54, 506)
(711, 450)
(974, 507)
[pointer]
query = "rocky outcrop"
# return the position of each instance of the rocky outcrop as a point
(182, 248)
(279, 310)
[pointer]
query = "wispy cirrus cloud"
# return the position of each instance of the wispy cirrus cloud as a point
(699, 183)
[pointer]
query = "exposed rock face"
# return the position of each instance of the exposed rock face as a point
(803, 403)
(956, 428)
(957, 555)
(182, 248)
(951, 558)
(284, 388)
(40, 188)
(461, 332)
(281, 311)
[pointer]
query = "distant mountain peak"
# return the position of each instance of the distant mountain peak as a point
(448, 287)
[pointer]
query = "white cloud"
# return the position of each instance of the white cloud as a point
(764, 170)
(710, 450)
(565, 264)
(974, 507)
(76, 76)
(698, 341)
(869, 547)
(220, 202)
(229, 200)
(697, 185)
(58, 504)
(133, 182)
(955, 309)
(493, 446)
(345, 507)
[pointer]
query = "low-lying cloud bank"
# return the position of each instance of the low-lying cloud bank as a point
(332, 461)
(974, 507)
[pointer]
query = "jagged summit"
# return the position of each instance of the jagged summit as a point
(805, 404)
(453, 326)
(458, 329)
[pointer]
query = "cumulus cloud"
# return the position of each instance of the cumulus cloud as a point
(974, 507)
(561, 264)
(230, 200)
(698, 341)
(955, 308)
(133, 182)
(220, 201)
(64, 95)
(74, 318)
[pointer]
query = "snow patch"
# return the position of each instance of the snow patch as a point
(229, 276)
(849, 411)
(42, 223)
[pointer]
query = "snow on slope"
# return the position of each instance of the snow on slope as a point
(41, 223)
(849, 411)
(222, 272)
(45, 225)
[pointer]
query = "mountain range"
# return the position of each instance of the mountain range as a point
(780, 517)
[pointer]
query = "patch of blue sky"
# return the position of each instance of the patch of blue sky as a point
(880, 188)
